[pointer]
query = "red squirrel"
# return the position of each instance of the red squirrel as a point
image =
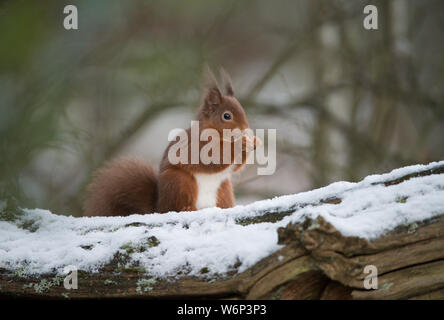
(127, 186)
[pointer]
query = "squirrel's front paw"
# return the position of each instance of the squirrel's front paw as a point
(257, 142)
(250, 143)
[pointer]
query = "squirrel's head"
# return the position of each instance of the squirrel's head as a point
(221, 110)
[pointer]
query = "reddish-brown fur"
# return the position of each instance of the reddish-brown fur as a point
(129, 186)
(122, 187)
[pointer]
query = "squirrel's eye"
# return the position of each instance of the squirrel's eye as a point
(227, 116)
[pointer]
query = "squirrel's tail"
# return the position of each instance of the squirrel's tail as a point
(121, 188)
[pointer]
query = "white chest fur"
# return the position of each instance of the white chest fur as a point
(208, 185)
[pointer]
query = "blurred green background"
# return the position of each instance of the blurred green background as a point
(346, 102)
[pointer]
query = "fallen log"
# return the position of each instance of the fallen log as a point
(313, 259)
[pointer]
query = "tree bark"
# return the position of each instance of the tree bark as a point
(316, 262)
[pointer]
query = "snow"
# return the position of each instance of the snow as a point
(211, 239)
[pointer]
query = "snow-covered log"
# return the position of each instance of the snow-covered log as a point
(313, 245)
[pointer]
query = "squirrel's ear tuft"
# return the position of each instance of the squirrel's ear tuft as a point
(213, 96)
(227, 83)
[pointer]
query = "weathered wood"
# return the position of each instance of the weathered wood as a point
(279, 276)
(292, 272)
(307, 286)
(434, 295)
(344, 258)
(336, 291)
(406, 283)
(315, 262)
